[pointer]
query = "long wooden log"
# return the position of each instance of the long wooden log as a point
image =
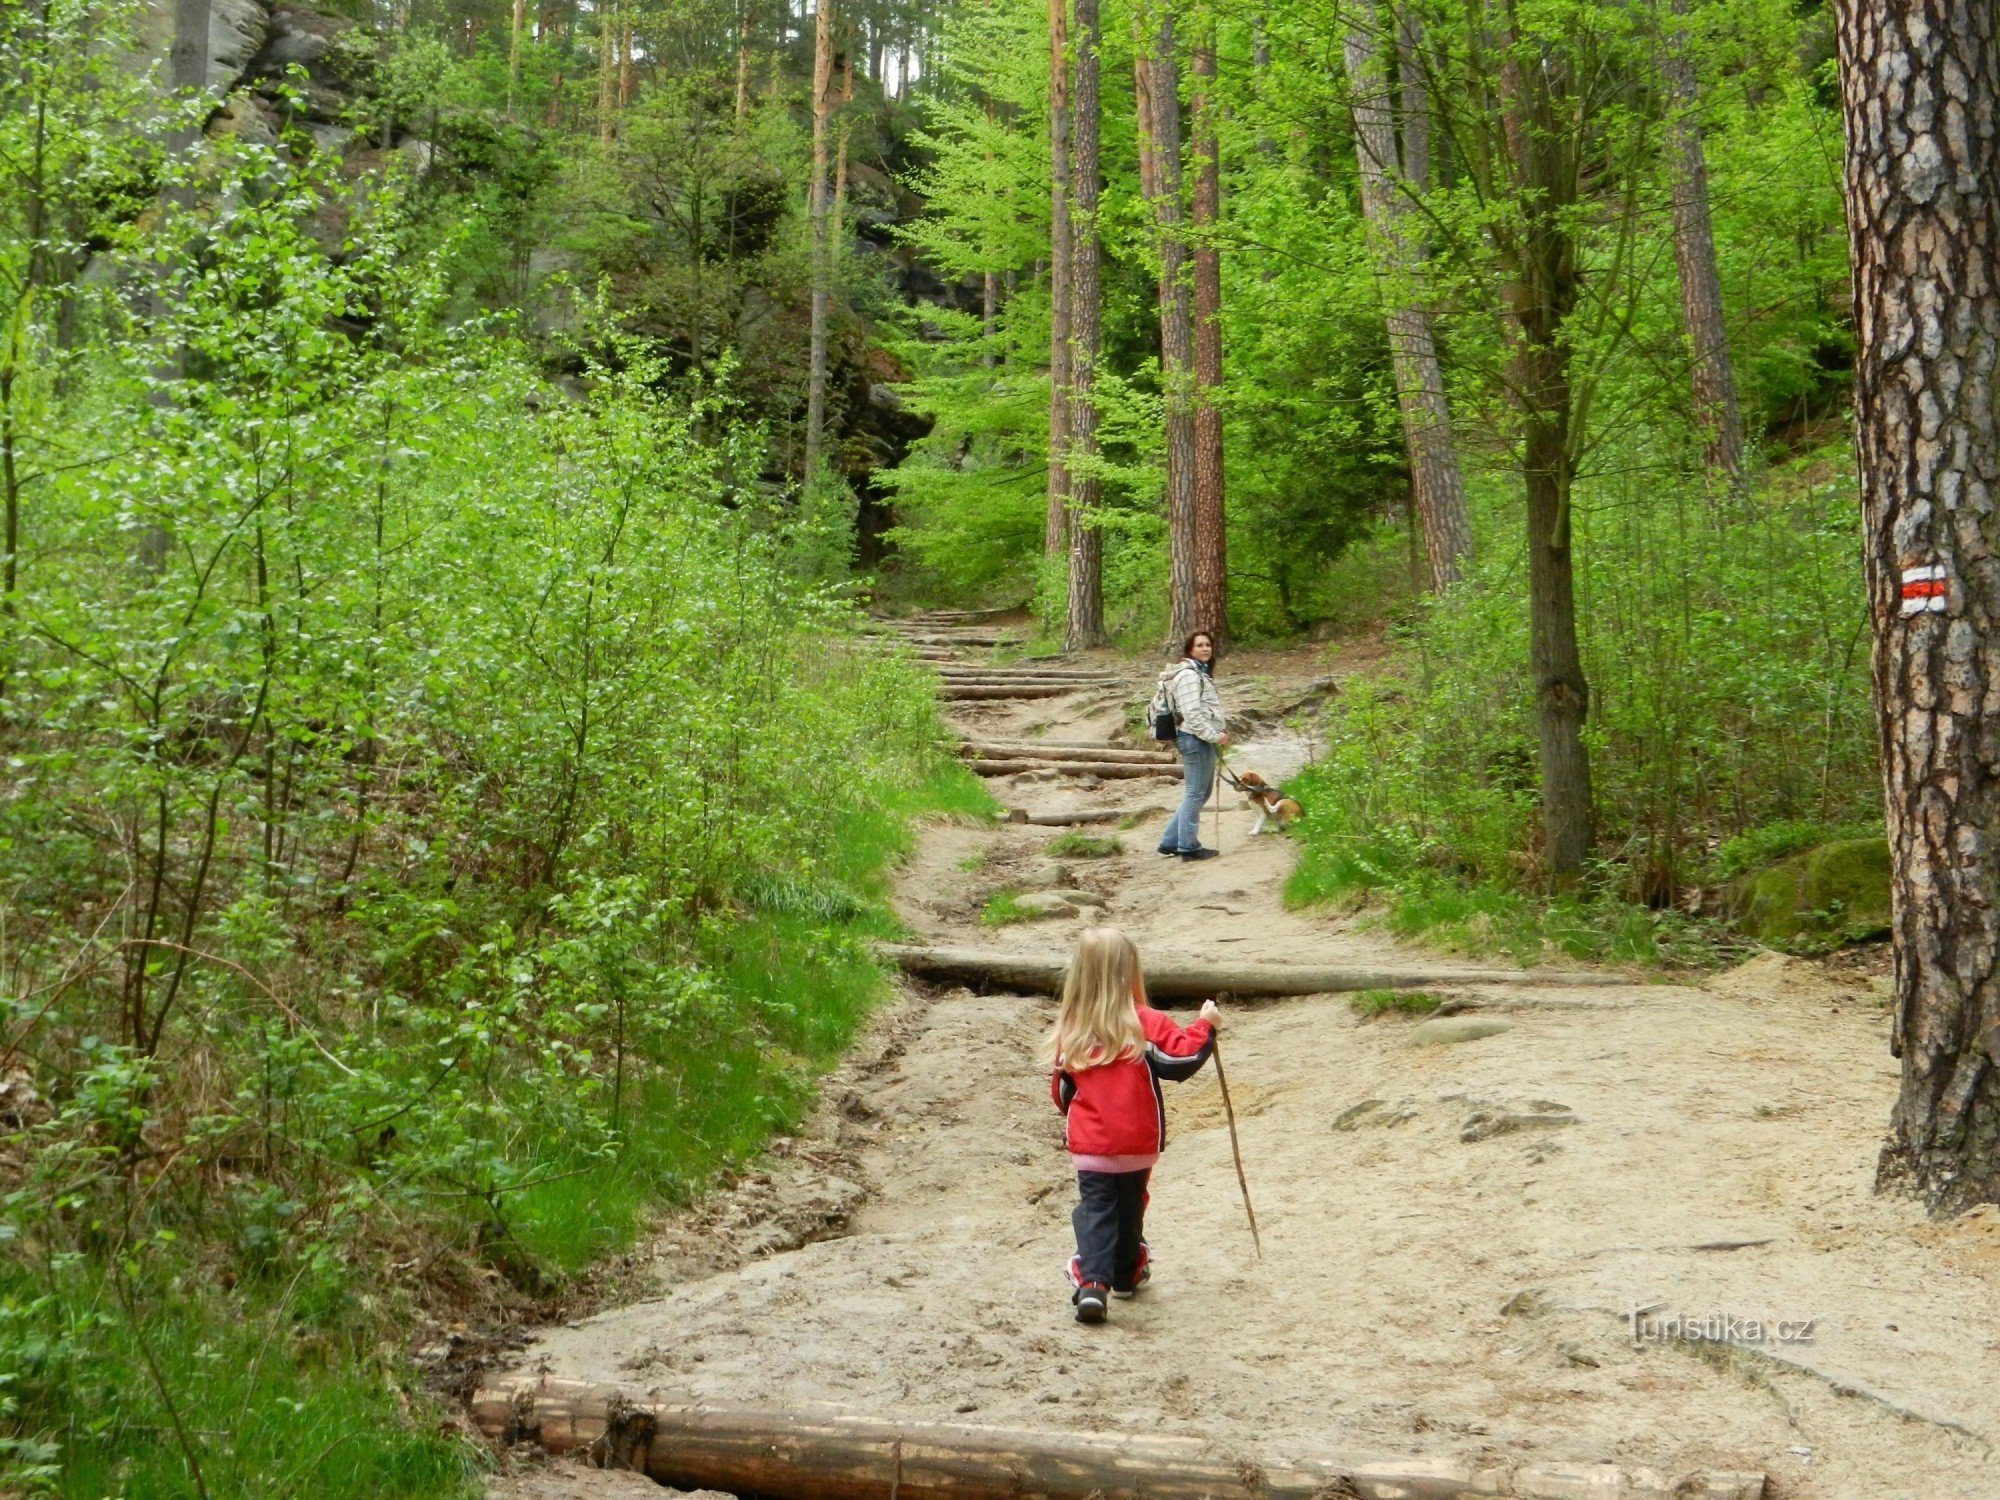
(1065, 674)
(1027, 679)
(1071, 819)
(1096, 754)
(1176, 980)
(1017, 690)
(1104, 769)
(825, 1453)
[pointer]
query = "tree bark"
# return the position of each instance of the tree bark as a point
(1156, 86)
(1211, 544)
(626, 77)
(1084, 626)
(1710, 375)
(744, 26)
(1920, 90)
(607, 74)
(1436, 485)
(514, 56)
(1055, 529)
(1541, 293)
(819, 208)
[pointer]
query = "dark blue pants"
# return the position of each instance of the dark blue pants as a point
(1109, 1217)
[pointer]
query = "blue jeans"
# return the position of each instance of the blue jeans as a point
(1197, 776)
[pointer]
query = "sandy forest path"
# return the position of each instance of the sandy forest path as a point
(1456, 1236)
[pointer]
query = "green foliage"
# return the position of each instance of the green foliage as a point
(1004, 909)
(1368, 1004)
(443, 825)
(1079, 845)
(1713, 639)
(1836, 892)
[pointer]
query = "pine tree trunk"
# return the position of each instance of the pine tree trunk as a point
(607, 74)
(1157, 90)
(1085, 624)
(1435, 482)
(1710, 374)
(744, 27)
(514, 56)
(1541, 293)
(1920, 90)
(1055, 529)
(818, 205)
(1211, 547)
(626, 81)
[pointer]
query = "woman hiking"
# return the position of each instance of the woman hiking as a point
(1188, 687)
(1110, 1051)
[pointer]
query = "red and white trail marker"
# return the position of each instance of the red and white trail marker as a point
(1925, 590)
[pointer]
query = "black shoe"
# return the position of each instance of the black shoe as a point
(1199, 853)
(1091, 1302)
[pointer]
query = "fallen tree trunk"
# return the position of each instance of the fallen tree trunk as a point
(1070, 819)
(1016, 690)
(1171, 980)
(1025, 679)
(824, 1453)
(1058, 752)
(1107, 769)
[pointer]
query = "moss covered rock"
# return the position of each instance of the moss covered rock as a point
(1835, 893)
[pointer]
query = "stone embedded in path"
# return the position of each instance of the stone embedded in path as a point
(1036, 905)
(1485, 1123)
(1448, 1030)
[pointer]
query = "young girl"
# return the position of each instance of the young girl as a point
(1110, 1051)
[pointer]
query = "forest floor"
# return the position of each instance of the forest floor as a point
(1422, 1290)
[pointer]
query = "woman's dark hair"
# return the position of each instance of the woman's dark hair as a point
(1187, 648)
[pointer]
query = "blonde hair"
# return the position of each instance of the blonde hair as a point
(1099, 1019)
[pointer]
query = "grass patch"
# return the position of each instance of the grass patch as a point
(1372, 1003)
(781, 994)
(1076, 845)
(1418, 900)
(1004, 908)
(267, 1404)
(1129, 822)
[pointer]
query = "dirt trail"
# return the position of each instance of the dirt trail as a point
(1434, 1282)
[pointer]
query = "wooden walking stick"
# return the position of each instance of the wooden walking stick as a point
(1235, 1150)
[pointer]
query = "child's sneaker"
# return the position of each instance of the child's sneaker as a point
(1139, 1277)
(1091, 1305)
(1076, 1270)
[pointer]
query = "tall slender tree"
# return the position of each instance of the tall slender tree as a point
(1920, 90)
(1055, 530)
(1211, 547)
(1437, 487)
(1712, 378)
(1084, 625)
(1156, 90)
(1543, 149)
(819, 206)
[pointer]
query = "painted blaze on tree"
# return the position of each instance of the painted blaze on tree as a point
(1920, 91)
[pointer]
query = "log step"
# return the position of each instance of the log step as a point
(1110, 770)
(1172, 980)
(1020, 815)
(974, 692)
(826, 1453)
(1095, 756)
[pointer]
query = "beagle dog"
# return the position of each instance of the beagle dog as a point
(1274, 808)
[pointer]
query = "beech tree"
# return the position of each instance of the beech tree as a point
(1920, 92)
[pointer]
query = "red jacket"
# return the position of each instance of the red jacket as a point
(1115, 1109)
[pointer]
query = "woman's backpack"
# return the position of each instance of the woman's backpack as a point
(1160, 715)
